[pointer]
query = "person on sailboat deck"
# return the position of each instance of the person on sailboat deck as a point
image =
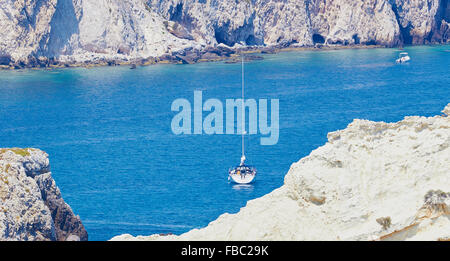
(242, 160)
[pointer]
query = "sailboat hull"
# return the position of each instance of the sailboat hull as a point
(242, 179)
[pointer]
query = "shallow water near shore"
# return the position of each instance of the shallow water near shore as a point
(120, 167)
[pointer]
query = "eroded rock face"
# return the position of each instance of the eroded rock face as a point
(109, 29)
(44, 32)
(354, 22)
(419, 19)
(370, 181)
(24, 26)
(275, 22)
(31, 206)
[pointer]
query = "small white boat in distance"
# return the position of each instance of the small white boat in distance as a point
(403, 58)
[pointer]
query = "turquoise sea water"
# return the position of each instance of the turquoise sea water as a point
(120, 167)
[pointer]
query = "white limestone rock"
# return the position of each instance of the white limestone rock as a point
(286, 21)
(419, 19)
(31, 206)
(210, 22)
(354, 22)
(105, 29)
(273, 22)
(446, 110)
(24, 26)
(23, 214)
(370, 181)
(38, 32)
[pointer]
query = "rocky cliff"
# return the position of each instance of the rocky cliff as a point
(50, 32)
(370, 181)
(31, 206)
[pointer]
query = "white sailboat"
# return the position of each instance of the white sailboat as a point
(242, 174)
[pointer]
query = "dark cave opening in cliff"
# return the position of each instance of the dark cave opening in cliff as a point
(371, 42)
(318, 39)
(406, 35)
(404, 31)
(355, 39)
(442, 13)
(5, 59)
(220, 37)
(176, 13)
(251, 40)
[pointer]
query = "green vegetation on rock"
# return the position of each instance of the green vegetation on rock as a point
(18, 151)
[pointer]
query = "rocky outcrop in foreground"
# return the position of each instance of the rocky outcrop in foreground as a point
(370, 181)
(31, 206)
(110, 32)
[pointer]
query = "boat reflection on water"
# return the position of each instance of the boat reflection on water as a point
(243, 187)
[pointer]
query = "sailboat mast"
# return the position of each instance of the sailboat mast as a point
(243, 108)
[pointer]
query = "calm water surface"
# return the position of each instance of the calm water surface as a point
(120, 168)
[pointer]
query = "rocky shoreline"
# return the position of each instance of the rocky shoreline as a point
(211, 54)
(31, 205)
(72, 33)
